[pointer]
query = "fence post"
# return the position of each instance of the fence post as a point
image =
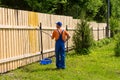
(106, 33)
(92, 32)
(41, 40)
(103, 33)
(98, 33)
(67, 41)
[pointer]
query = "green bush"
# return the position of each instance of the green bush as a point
(117, 47)
(82, 38)
(116, 37)
(114, 26)
(102, 42)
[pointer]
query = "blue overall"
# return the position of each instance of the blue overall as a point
(60, 52)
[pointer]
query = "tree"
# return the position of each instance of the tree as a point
(92, 7)
(82, 38)
(17, 4)
(115, 9)
(114, 26)
(95, 9)
(117, 47)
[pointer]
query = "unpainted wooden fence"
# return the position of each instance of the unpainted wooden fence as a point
(20, 37)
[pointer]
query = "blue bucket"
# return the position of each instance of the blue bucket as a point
(46, 61)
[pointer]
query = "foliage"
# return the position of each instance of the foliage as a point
(82, 38)
(95, 9)
(92, 7)
(115, 10)
(102, 12)
(102, 42)
(117, 47)
(114, 26)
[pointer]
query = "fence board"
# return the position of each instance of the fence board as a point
(1, 15)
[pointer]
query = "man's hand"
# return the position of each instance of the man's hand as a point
(68, 37)
(50, 35)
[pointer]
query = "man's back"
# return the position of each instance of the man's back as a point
(56, 34)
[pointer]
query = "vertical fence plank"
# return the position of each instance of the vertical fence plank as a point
(103, 33)
(17, 49)
(12, 48)
(1, 49)
(5, 51)
(8, 16)
(9, 42)
(3, 18)
(0, 16)
(67, 41)
(0, 68)
(7, 47)
(98, 33)
(1, 45)
(41, 40)
(37, 41)
(1, 11)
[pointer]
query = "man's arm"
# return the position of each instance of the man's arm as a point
(52, 35)
(68, 36)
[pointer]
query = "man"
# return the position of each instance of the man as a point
(60, 36)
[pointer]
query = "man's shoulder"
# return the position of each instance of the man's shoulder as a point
(64, 30)
(61, 30)
(55, 30)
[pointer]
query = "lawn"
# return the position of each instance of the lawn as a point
(99, 65)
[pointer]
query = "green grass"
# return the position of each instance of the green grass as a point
(99, 65)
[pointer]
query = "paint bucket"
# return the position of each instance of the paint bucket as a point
(45, 61)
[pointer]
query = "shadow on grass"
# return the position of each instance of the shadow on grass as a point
(51, 69)
(116, 56)
(72, 53)
(39, 69)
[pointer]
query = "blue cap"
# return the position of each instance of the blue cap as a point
(59, 24)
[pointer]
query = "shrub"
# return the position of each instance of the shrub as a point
(82, 38)
(114, 26)
(102, 42)
(117, 47)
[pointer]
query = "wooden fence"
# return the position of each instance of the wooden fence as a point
(20, 38)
